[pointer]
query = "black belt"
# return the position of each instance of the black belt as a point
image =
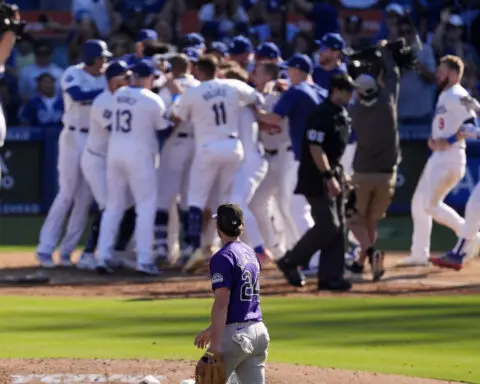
(81, 130)
(274, 152)
(183, 135)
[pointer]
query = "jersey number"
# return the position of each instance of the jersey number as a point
(250, 287)
(441, 123)
(123, 121)
(220, 114)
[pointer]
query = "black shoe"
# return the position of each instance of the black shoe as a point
(355, 268)
(291, 273)
(338, 285)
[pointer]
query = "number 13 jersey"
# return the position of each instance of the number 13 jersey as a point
(235, 266)
(213, 108)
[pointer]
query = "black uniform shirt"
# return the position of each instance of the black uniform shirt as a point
(328, 127)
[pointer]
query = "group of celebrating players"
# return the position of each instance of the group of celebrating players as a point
(159, 142)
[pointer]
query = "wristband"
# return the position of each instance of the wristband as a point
(175, 96)
(452, 139)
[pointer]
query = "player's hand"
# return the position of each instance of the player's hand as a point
(203, 338)
(333, 187)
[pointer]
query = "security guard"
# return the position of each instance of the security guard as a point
(321, 181)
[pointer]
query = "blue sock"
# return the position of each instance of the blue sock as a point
(161, 227)
(259, 249)
(184, 218)
(194, 232)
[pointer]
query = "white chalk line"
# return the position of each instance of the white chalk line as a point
(65, 378)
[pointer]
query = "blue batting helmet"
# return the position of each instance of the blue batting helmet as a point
(93, 49)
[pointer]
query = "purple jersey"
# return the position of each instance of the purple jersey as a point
(236, 267)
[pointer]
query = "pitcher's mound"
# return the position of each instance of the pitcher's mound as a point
(69, 371)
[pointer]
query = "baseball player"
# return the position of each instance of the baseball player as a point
(81, 84)
(468, 242)
(137, 115)
(213, 108)
(94, 158)
(444, 168)
(145, 37)
(176, 158)
(237, 338)
(251, 173)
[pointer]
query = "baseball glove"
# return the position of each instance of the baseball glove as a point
(210, 369)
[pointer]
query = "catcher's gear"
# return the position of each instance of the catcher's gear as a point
(210, 369)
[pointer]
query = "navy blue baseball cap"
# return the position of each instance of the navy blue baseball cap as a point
(192, 53)
(146, 34)
(229, 218)
(333, 41)
(240, 45)
(94, 48)
(268, 50)
(145, 68)
(193, 40)
(116, 68)
(219, 47)
(301, 62)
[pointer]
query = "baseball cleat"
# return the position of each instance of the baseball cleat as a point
(412, 261)
(451, 260)
(65, 261)
(161, 255)
(87, 262)
(291, 273)
(376, 264)
(105, 267)
(148, 269)
(338, 285)
(45, 260)
(194, 262)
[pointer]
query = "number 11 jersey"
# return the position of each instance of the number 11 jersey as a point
(213, 108)
(235, 266)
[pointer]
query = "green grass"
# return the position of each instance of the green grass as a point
(21, 233)
(436, 337)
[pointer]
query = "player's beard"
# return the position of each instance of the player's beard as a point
(444, 83)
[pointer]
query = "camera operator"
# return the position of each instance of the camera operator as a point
(10, 18)
(374, 120)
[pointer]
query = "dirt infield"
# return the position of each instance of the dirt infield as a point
(71, 282)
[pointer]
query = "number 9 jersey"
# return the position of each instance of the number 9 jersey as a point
(451, 113)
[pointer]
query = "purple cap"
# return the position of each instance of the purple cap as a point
(332, 41)
(240, 45)
(301, 62)
(145, 68)
(146, 34)
(116, 68)
(268, 50)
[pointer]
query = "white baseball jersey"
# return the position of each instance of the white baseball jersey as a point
(77, 114)
(137, 114)
(214, 106)
(101, 118)
(274, 137)
(185, 83)
(450, 114)
(249, 134)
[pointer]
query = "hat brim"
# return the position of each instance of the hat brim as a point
(107, 54)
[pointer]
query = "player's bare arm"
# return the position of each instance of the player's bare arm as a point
(8, 40)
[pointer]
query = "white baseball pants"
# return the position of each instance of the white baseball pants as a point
(73, 190)
(252, 171)
(471, 226)
(135, 172)
(94, 168)
(440, 175)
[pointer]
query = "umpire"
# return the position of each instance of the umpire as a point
(321, 181)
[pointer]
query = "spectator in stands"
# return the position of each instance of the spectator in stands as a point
(10, 102)
(84, 30)
(329, 60)
(224, 18)
(389, 27)
(24, 53)
(447, 39)
(100, 11)
(322, 14)
(470, 81)
(416, 100)
(302, 43)
(27, 79)
(46, 108)
(352, 33)
(120, 45)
